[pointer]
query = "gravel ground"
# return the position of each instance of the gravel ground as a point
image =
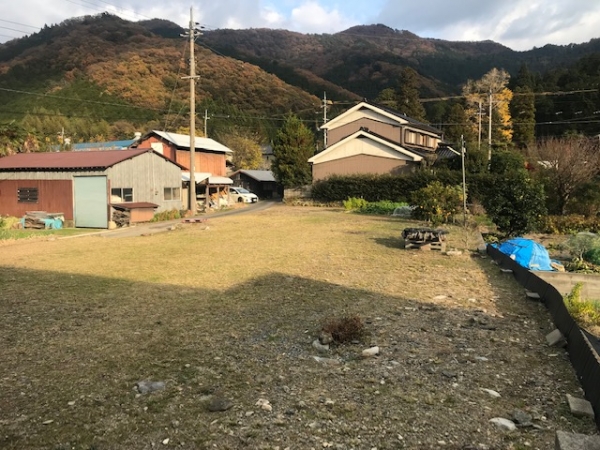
(459, 343)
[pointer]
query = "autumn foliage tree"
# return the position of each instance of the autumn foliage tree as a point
(491, 88)
(247, 152)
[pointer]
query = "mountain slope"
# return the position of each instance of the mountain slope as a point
(107, 60)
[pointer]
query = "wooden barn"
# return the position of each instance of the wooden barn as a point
(84, 185)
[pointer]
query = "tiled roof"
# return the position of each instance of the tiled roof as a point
(410, 120)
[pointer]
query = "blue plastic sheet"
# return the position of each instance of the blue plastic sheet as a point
(527, 253)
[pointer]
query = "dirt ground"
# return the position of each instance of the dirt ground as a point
(224, 313)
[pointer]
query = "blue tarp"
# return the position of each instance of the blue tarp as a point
(527, 253)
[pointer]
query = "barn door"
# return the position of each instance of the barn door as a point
(91, 202)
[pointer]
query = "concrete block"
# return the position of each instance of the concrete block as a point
(506, 270)
(556, 339)
(532, 295)
(580, 407)
(573, 441)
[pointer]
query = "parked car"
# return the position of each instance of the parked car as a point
(241, 195)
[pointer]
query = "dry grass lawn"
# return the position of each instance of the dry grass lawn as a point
(230, 312)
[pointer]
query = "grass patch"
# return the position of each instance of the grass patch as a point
(585, 312)
(32, 234)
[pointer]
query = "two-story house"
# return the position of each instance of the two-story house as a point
(374, 139)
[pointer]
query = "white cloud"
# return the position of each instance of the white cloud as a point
(519, 24)
(311, 17)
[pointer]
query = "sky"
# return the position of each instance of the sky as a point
(518, 24)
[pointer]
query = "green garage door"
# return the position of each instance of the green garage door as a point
(91, 202)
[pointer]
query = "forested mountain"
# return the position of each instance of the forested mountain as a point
(102, 76)
(104, 70)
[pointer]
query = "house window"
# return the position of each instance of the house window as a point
(27, 195)
(411, 138)
(123, 194)
(172, 193)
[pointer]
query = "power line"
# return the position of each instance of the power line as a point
(59, 97)
(20, 24)
(13, 29)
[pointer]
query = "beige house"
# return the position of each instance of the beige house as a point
(374, 139)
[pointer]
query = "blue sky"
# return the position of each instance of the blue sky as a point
(518, 24)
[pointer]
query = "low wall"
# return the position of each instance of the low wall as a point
(563, 282)
(583, 348)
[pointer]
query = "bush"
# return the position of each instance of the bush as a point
(383, 207)
(570, 224)
(167, 215)
(344, 329)
(581, 243)
(585, 312)
(437, 203)
(354, 203)
(515, 203)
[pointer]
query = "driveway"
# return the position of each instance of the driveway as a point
(160, 227)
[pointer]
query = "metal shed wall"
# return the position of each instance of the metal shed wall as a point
(148, 174)
(53, 196)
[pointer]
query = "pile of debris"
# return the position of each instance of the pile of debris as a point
(425, 238)
(122, 218)
(42, 220)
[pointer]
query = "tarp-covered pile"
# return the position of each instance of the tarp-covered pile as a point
(527, 253)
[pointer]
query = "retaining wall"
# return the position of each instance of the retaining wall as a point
(583, 348)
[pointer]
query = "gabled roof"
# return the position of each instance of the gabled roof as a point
(390, 113)
(374, 137)
(258, 175)
(183, 141)
(101, 160)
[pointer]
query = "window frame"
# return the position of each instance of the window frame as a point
(28, 195)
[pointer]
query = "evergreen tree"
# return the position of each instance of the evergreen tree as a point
(407, 95)
(458, 125)
(293, 145)
(522, 108)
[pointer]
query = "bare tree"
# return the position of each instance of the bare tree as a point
(565, 164)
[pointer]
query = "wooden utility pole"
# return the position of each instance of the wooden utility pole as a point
(491, 96)
(324, 119)
(192, 34)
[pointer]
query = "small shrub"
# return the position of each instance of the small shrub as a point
(570, 224)
(9, 222)
(437, 203)
(354, 203)
(581, 243)
(344, 329)
(167, 215)
(585, 312)
(383, 207)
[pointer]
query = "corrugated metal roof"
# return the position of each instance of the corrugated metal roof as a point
(201, 143)
(259, 175)
(111, 145)
(68, 160)
(134, 205)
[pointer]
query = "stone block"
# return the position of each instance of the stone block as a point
(556, 339)
(573, 441)
(580, 407)
(532, 295)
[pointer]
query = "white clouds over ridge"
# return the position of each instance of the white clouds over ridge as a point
(519, 24)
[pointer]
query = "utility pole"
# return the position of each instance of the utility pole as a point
(206, 123)
(479, 134)
(490, 128)
(464, 178)
(324, 119)
(192, 34)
